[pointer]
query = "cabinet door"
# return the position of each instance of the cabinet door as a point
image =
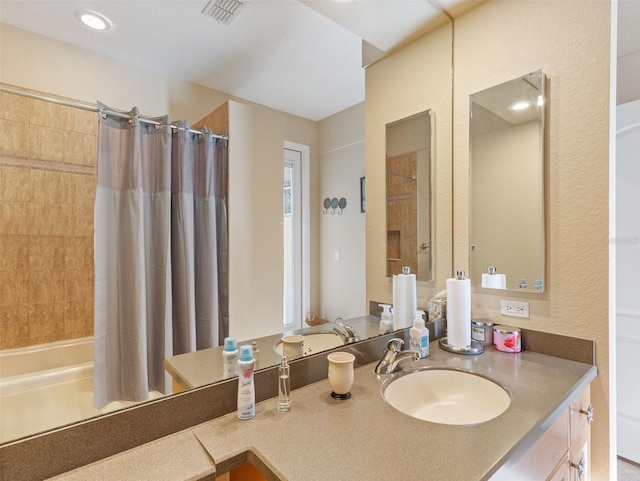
(580, 458)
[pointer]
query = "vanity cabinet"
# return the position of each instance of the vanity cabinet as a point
(562, 453)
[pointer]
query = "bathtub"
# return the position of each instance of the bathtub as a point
(47, 386)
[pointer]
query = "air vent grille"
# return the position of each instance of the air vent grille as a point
(223, 11)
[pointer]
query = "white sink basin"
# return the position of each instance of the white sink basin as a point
(447, 396)
(314, 343)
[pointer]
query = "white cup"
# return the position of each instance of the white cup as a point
(293, 346)
(341, 374)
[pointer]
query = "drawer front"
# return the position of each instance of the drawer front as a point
(562, 472)
(580, 458)
(580, 416)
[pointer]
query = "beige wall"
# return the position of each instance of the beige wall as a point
(495, 42)
(256, 143)
(414, 79)
(499, 41)
(341, 157)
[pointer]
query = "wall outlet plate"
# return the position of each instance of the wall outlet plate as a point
(514, 308)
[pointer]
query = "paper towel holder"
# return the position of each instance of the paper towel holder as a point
(474, 349)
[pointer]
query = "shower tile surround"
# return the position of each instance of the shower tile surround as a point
(47, 189)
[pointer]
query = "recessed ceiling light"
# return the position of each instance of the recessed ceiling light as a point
(519, 106)
(93, 20)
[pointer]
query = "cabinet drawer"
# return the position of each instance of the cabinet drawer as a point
(579, 417)
(580, 457)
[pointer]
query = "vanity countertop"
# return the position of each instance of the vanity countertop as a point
(364, 437)
(205, 366)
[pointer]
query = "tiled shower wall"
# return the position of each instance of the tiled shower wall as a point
(47, 190)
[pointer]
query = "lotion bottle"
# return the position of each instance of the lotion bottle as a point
(229, 358)
(246, 390)
(386, 322)
(419, 336)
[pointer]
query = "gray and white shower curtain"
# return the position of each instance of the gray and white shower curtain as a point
(160, 252)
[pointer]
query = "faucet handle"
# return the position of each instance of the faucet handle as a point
(395, 344)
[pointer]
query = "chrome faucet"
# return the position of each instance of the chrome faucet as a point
(393, 357)
(346, 332)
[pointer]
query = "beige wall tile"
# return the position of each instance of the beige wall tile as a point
(14, 253)
(14, 139)
(46, 143)
(85, 190)
(79, 315)
(13, 216)
(78, 284)
(14, 288)
(14, 326)
(46, 253)
(14, 107)
(80, 149)
(82, 121)
(46, 187)
(47, 114)
(46, 285)
(79, 253)
(39, 221)
(84, 221)
(15, 184)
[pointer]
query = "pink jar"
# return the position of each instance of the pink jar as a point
(507, 338)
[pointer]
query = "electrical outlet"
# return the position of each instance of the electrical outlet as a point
(514, 308)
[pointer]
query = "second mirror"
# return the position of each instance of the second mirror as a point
(408, 199)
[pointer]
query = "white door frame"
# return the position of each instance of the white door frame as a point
(306, 228)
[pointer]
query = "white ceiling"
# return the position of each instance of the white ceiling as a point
(301, 57)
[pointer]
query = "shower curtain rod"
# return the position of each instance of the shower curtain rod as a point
(115, 113)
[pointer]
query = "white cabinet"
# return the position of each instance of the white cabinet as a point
(562, 452)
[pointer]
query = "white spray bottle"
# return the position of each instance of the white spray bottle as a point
(246, 390)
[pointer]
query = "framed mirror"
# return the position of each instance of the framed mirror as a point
(408, 196)
(506, 132)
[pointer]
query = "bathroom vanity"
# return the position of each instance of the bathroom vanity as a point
(322, 438)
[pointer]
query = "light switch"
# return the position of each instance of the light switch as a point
(337, 255)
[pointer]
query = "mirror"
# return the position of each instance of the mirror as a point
(50, 184)
(506, 132)
(408, 195)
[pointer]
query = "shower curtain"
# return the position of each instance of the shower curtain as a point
(160, 252)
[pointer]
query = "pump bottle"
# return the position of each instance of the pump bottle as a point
(419, 335)
(386, 322)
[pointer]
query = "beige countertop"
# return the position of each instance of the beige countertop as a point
(204, 367)
(364, 437)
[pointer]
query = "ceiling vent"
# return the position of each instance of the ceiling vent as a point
(223, 11)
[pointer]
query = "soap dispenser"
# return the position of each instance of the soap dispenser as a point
(386, 323)
(419, 336)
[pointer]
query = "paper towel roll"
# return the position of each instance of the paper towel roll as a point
(404, 300)
(459, 312)
(494, 281)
